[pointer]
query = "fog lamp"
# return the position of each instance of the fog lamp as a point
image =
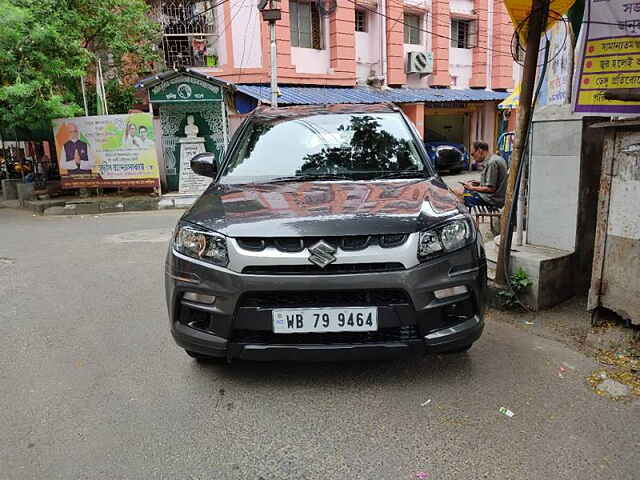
(199, 297)
(451, 291)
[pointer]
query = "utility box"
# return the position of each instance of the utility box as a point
(615, 279)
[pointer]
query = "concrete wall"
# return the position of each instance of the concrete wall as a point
(369, 49)
(461, 66)
(308, 60)
(415, 80)
(501, 61)
(461, 6)
(246, 35)
(221, 41)
(621, 273)
(349, 56)
(564, 180)
(553, 183)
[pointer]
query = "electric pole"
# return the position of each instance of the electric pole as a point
(272, 15)
(536, 26)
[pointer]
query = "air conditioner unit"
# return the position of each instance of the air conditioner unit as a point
(419, 62)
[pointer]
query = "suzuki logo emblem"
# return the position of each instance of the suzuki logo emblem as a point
(322, 254)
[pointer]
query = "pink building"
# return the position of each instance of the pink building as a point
(446, 62)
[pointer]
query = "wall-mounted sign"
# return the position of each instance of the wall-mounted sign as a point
(556, 87)
(609, 56)
(185, 89)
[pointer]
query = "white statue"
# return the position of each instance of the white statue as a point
(191, 129)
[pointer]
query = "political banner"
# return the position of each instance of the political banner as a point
(107, 151)
(556, 85)
(609, 56)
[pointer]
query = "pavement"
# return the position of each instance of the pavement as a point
(74, 205)
(93, 386)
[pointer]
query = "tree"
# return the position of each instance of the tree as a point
(370, 149)
(46, 46)
(39, 62)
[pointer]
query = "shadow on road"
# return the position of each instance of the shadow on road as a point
(426, 369)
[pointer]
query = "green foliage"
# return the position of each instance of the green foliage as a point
(519, 282)
(38, 62)
(47, 45)
(120, 98)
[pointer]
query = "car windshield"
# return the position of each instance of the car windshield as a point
(333, 146)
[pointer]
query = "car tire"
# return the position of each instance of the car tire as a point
(462, 349)
(205, 358)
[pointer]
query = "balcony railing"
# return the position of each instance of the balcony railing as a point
(189, 32)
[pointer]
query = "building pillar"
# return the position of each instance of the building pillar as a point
(283, 42)
(441, 43)
(479, 71)
(415, 112)
(395, 44)
(342, 38)
(502, 71)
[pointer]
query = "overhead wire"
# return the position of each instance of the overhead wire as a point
(515, 42)
(397, 21)
(206, 10)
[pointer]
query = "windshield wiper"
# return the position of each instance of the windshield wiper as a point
(401, 174)
(308, 178)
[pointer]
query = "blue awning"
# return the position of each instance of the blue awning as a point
(337, 95)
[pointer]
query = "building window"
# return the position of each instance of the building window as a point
(189, 28)
(361, 21)
(306, 25)
(461, 33)
(412, 26)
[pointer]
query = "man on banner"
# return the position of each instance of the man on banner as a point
(142, 140)
(76, 154)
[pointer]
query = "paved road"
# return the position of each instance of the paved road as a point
(94, 388)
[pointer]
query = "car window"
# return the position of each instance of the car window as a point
(344, 144)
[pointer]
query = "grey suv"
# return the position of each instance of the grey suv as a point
(325, 235)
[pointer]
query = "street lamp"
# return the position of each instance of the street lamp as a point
(271, 13)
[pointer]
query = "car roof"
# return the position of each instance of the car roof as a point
(299, 111)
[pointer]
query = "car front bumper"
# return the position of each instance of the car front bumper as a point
(236, 327)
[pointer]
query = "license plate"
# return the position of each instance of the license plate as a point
(305, 320)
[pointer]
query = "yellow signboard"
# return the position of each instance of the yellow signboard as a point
(609, 56)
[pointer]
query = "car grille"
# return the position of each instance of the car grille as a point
(325, 298)
(332, 269)
(384, 335)
(346, 243)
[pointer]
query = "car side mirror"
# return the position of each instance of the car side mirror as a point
(205, 164)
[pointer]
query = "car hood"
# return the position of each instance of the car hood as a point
(322, 208)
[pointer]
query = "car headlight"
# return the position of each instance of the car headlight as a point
(206, 246)
(444, 239)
